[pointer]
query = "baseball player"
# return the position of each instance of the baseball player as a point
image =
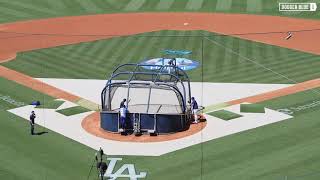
(123, 116)
(122, 104)
(32, 118)
(194, 108)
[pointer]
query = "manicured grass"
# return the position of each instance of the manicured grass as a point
(47, 156)
(225, 115)
(73, 110)
(251, 108)
(34, 9)
(296, 104)
(219, 65)
(51, 105)
(15, 95)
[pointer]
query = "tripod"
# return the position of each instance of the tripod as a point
(95, 159)
(100, 165)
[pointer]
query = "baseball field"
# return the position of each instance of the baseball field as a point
(61, 53)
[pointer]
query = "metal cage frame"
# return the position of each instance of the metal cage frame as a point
(168, 77)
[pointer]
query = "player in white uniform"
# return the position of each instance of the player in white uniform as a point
(194, 108)
(123, 115)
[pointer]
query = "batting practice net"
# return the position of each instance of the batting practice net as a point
(154, 91)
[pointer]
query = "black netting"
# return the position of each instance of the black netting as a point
(162, 89)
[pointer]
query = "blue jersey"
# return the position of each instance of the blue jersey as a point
(194, 104)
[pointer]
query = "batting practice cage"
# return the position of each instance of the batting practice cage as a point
(157, 99)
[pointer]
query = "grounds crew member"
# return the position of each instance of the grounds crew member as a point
(32, 118)
(122, 103)
(194, 108)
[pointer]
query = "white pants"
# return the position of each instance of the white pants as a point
(195, 114)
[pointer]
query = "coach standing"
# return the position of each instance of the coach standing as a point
(32, 118)
(194, 108)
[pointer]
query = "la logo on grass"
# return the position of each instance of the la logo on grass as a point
(125, 171)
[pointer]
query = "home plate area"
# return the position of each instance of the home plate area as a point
(70, 126)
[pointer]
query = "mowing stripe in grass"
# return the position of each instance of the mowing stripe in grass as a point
(30, 6)
(227, 55)
(118, 47)
(136, 53)
(75, 61)
(225, 115)
(116, 53)
(56, 5)
(251, 108)
(92, 51)
(178, 42)
(254, 5)
(116, 4)
(134, 5)
(73, 65)
(13, 12)
(294, 65)
(164, 4)
(256, 51)
(22, 9)
(30, 62)
(249, 75)
(96, 45)
(242, 51)
(194, 4)
(194, 44)
(220, 52)
(209, 6)
(104, 47)
(234, 57)
(276, 61)
(153, 49)
(69, 67)
(288, 68)
(75, 52)
(149, 6)
(5, 16)
(223, 5)
(72, 111)
(104, 50)
(271, 63)
(89, 6)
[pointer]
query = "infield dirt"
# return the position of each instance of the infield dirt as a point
(45, 33)
(37, 34)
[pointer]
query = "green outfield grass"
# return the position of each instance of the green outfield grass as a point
(34, 9)
(35, 157)
(96, 60)
(72, 111)
(288, 148)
